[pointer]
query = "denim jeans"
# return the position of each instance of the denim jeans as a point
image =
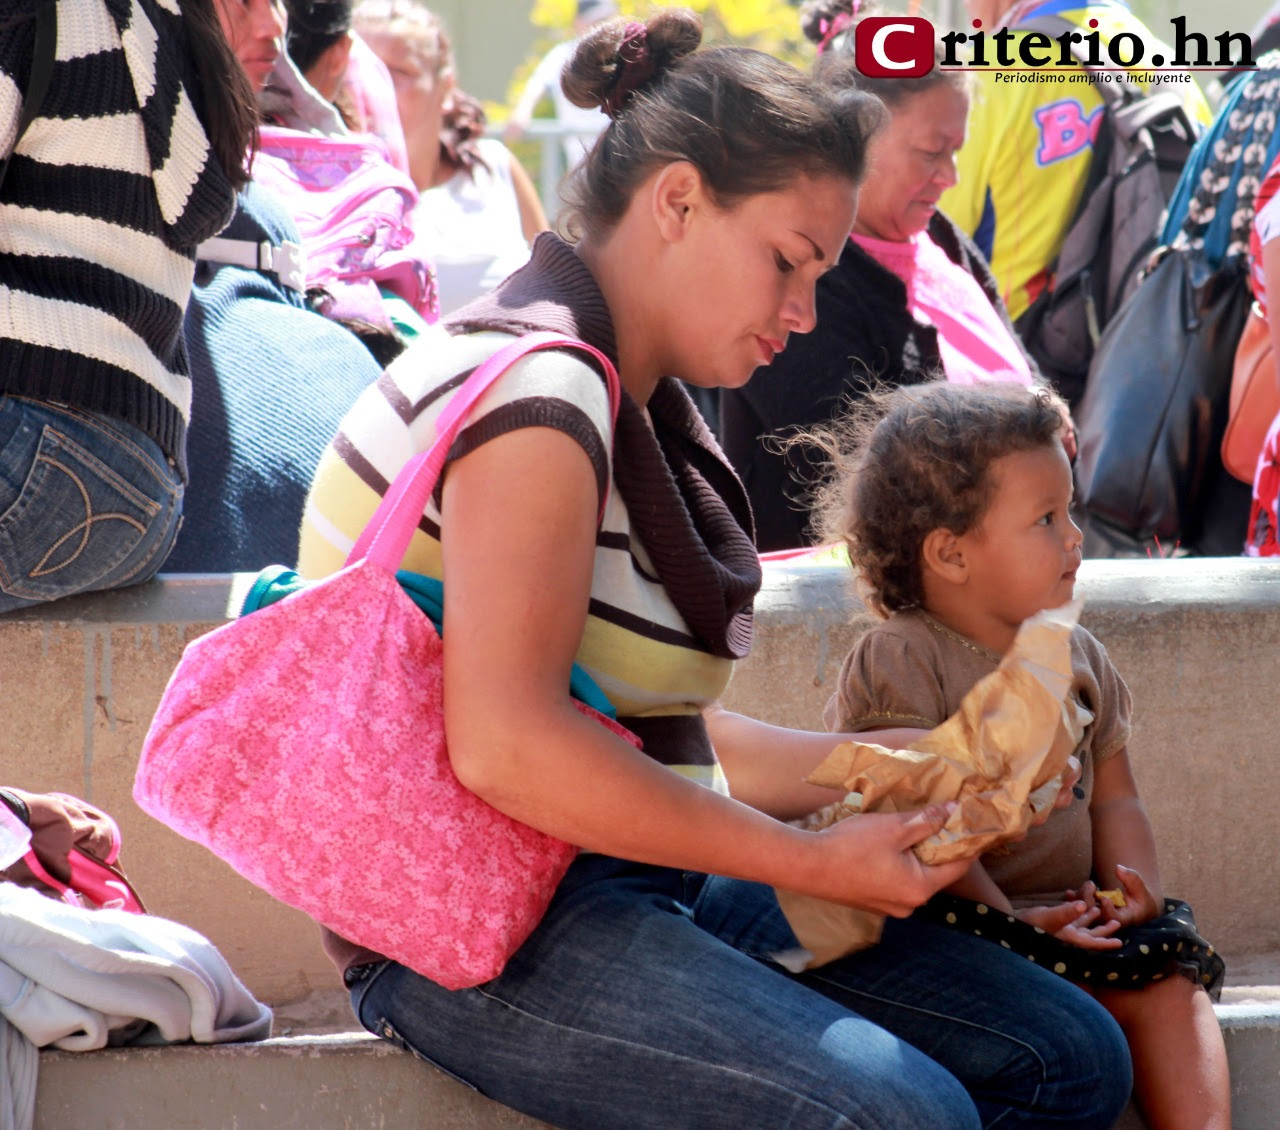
(643, 1001)
(87, 502)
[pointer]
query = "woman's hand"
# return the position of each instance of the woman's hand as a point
(867, 861)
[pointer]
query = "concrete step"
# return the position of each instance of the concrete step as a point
(318, 1074)
(1195, 639)
(354, 1081)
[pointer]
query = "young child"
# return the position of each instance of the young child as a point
(954, 504)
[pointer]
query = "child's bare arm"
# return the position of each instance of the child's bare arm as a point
(1122, 838)
(766, 765)
(978, 886)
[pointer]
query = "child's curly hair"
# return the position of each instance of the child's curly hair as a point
(913, 459)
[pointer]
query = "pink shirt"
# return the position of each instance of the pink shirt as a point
(973, 342)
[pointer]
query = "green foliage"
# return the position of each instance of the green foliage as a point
(767, 25)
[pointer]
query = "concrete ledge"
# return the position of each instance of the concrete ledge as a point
(303, 1083)
(355, 1080)
(1195, 639)
(82, 678)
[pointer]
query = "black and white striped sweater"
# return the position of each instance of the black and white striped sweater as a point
(109, 192)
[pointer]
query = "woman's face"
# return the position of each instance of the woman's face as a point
(423, 83)
(911, 163)
(744, 278)
(255, 30)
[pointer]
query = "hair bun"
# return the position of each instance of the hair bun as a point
(822, 20)
(616, 58)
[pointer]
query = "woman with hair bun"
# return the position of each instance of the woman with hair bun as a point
(653, 994)
(910, 300)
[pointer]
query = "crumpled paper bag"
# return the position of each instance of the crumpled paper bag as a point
(1001, 756)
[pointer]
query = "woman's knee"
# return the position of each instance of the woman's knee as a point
(1080, 1067)
(1031, 1048)
(878, 1080)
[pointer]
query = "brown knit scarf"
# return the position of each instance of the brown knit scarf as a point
(687, 506)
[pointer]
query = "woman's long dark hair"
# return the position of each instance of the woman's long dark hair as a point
(219, 88)
(222, 93)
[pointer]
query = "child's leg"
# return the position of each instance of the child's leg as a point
(1180, 1074)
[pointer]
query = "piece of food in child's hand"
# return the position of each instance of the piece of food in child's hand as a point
(1115, 898)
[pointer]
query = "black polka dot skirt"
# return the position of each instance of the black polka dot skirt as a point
(1167, 946)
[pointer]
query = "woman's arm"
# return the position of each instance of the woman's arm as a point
(532, 218)
(519, 545)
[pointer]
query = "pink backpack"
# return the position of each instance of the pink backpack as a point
(352, 207)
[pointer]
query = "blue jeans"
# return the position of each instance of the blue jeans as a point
(640, 1002)
(87, 502)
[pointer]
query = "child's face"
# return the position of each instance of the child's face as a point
(1024, 553)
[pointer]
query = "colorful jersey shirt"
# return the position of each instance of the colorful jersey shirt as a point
(1026, 158)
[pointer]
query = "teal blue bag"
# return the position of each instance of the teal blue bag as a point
(277, 581)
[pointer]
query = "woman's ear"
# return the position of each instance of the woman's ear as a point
(942, 555)
(678, 195)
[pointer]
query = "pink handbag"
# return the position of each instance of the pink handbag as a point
(304, 745)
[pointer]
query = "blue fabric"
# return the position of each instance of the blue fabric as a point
(1217, 234)
(271, 380)
(639, 1003)
(87, 503)
(277, 581)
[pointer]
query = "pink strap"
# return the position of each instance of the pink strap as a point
(386, 538)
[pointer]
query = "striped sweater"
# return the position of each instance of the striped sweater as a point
(108, 193)
(676, 568)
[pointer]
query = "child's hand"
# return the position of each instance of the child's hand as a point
(1141, 904)
(1073, 922)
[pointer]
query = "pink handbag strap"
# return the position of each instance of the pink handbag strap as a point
(386, 538)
